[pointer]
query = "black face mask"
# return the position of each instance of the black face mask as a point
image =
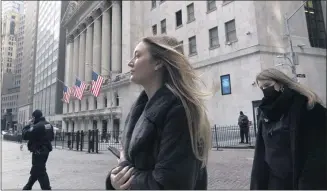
(270, 93)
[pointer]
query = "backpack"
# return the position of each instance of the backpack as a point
(244, 121)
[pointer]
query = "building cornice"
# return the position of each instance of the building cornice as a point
(71, 10)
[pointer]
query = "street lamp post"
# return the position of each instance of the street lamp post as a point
(288, 34)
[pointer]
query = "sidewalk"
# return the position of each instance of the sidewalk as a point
(227, 169)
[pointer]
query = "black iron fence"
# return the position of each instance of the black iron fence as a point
(95, 141)
(230, 137)
(91, 141)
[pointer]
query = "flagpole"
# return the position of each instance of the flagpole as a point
(89, 65)
(61, 82)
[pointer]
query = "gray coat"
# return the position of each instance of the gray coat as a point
(157, 143)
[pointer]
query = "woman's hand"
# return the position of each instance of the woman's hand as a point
(121, 179)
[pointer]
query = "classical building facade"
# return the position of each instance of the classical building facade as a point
(227, 42)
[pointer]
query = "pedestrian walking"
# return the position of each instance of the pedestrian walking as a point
(39, 134)
(243, 123)
(290, 151)
(167, 136)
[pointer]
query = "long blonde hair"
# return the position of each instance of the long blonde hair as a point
(282, 79)
(181, 79)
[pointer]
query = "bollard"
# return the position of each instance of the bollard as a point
(97, 141)
(77, 140)
(73, 139)
(89, 141)
(69, 140)
(82, 140)
(92, 141)
(63, 140)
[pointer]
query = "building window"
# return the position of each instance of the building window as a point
(154, 4)
(213, 37)
(154, 29)
(225, 85)
(117, 99)
(230, 31)
(179, 19)
(192, 45)
(105, 101)
(163, 26)
(190, 12)
(12, 27)
(181, 47)
(315, 24)
(211, 5)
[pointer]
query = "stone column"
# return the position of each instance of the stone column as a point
(65, 108)
(81, 65)
(70, 125)
(76, 57)
(71, 108)
(89, 49)
(69, 60)
(99, 124)
(97, 42)
(106, 43)
(64, 125)
(116, 50)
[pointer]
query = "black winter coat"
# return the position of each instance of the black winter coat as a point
(39, 135)
(156, 142)
(308, 149)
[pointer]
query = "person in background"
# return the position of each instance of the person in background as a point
(243, 123)
(167, 136)
(290, 150)
(39, 134)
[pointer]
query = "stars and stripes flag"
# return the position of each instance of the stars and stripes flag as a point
(96, 84)
(67, 92)
(79, 89)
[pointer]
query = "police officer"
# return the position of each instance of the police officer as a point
(39, 134)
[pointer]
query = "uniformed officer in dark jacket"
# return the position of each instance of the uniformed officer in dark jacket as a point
(39, 134)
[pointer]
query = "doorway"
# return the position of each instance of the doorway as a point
(256, 114)
(104, 136)
(116, 130)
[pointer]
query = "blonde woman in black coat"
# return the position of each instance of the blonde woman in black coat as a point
(290, 150)
(167, 134)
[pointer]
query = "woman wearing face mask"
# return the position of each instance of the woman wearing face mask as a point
(290, 150)
(167, 135)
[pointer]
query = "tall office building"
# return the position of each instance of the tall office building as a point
(25, 101)
(50, 60)
(12, 23)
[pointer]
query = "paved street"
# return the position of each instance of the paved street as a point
(228, 169)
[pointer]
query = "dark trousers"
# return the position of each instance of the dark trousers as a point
(38, 172)
(244, 131)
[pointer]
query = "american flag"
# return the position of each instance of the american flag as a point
(96, 84)
(79, 89)
(66, 94)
